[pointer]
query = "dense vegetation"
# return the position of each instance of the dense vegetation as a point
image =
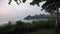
(43, 31)
(21, 27)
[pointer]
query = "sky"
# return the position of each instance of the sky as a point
(15, 12)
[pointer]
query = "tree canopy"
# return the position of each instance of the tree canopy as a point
(49, 5)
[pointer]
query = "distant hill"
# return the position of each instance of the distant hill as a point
(41, 16)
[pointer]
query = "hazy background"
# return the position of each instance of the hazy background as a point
(15, 12)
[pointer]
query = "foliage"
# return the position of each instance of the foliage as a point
(43, 31)
(44, 24)
(18, 28)
(21, 27)
(49, 5)
(17, 1)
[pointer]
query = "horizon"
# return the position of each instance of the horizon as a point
(15, 12)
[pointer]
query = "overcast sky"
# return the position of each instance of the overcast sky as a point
(14, 11)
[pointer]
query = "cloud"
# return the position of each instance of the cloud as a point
(0, 0)
(14, 11)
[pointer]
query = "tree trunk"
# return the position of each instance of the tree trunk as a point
(57, 18)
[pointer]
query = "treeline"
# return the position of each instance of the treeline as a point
(21, 27)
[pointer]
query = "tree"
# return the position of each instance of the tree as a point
(50, 6)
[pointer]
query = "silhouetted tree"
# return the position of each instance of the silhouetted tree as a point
(50, 6)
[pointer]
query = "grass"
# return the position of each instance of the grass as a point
(43, 31)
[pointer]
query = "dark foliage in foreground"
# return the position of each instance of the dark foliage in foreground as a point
(21, 27)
